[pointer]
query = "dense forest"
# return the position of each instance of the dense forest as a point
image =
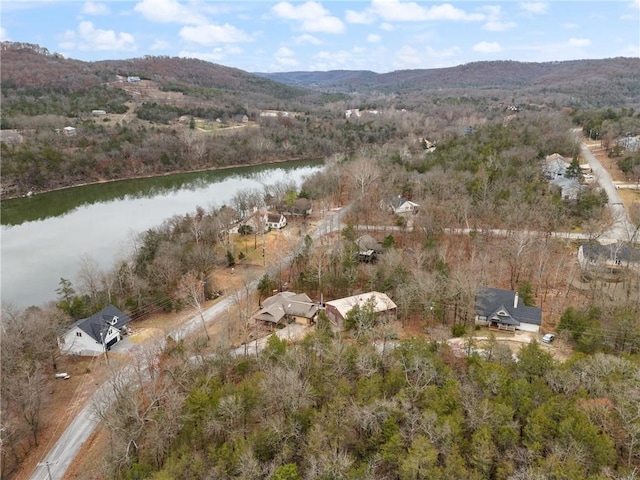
(333, 408)
(381, 399)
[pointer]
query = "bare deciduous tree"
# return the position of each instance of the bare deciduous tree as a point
(191, 290)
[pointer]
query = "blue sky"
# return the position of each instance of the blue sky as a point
(378, 35)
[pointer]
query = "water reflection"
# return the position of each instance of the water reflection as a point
(53, 204)
(43, 241)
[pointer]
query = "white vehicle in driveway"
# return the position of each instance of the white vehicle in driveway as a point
(548, 338)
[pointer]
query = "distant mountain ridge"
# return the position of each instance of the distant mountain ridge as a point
(472, 75)
(605, 82)
(31, 66)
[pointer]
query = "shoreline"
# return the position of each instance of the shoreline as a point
(166, 174)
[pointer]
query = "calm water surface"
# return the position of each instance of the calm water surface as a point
(45, 236)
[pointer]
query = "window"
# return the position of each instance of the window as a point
(78, 334)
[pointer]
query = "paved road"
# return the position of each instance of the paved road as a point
(64, 451)
(61, 455)
(622, 229)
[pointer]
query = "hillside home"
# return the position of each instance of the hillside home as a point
(98, 112)
(287, 307)
(337, 310)
(133, 79)
(354, 112)
(428, 145)
(69, 131)
(505, 310)
(608, 259)
(274, 113)
(555, 169)
(400, 205)
(262, 221)
(96, 334)
(368, 248)
(275, 221)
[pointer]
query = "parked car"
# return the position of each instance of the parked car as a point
(548, 338)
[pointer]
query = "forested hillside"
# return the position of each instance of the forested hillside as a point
(331, 408)
(379, 400)
(590, 83)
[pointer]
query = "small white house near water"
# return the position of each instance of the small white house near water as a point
(96, 334)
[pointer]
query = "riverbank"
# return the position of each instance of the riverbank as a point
(159, 175)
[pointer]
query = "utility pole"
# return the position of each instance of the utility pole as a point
(47, 463)
(104, 346)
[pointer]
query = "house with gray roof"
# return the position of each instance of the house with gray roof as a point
(96, 334)
(612, 258)
(286, 307)
(555, 169)
(505, 310)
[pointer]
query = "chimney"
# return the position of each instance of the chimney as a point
(515, 300)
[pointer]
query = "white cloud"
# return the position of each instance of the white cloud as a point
(394, 10)
(496, 26)
(487, 47)
(306, 39)
(313, 17)
(323, 25)
(214, 34)
(387, 27)
(373, 38)
(93, 8)
(215, 55)
(365, 17)
(579, 42)
(285, 57)
(168, 11)
(3, 34)
(87, 38)
(635, 4)
(494, 21)
(534, 7)
(332, 60)
(408, 57)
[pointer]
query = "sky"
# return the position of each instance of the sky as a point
(377, 35)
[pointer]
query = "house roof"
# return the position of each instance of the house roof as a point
(273, 313)
(367, 242)
(274, 217)
(344, 305)
(398, 201)
(615, 251)
(95, 324)
(277, 306)
(498, 306)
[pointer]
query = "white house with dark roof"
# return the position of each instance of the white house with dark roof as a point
(399, 205)
(96, 334)
(275, 221)
(505, 310)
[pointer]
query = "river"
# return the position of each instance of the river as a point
(44, 237)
